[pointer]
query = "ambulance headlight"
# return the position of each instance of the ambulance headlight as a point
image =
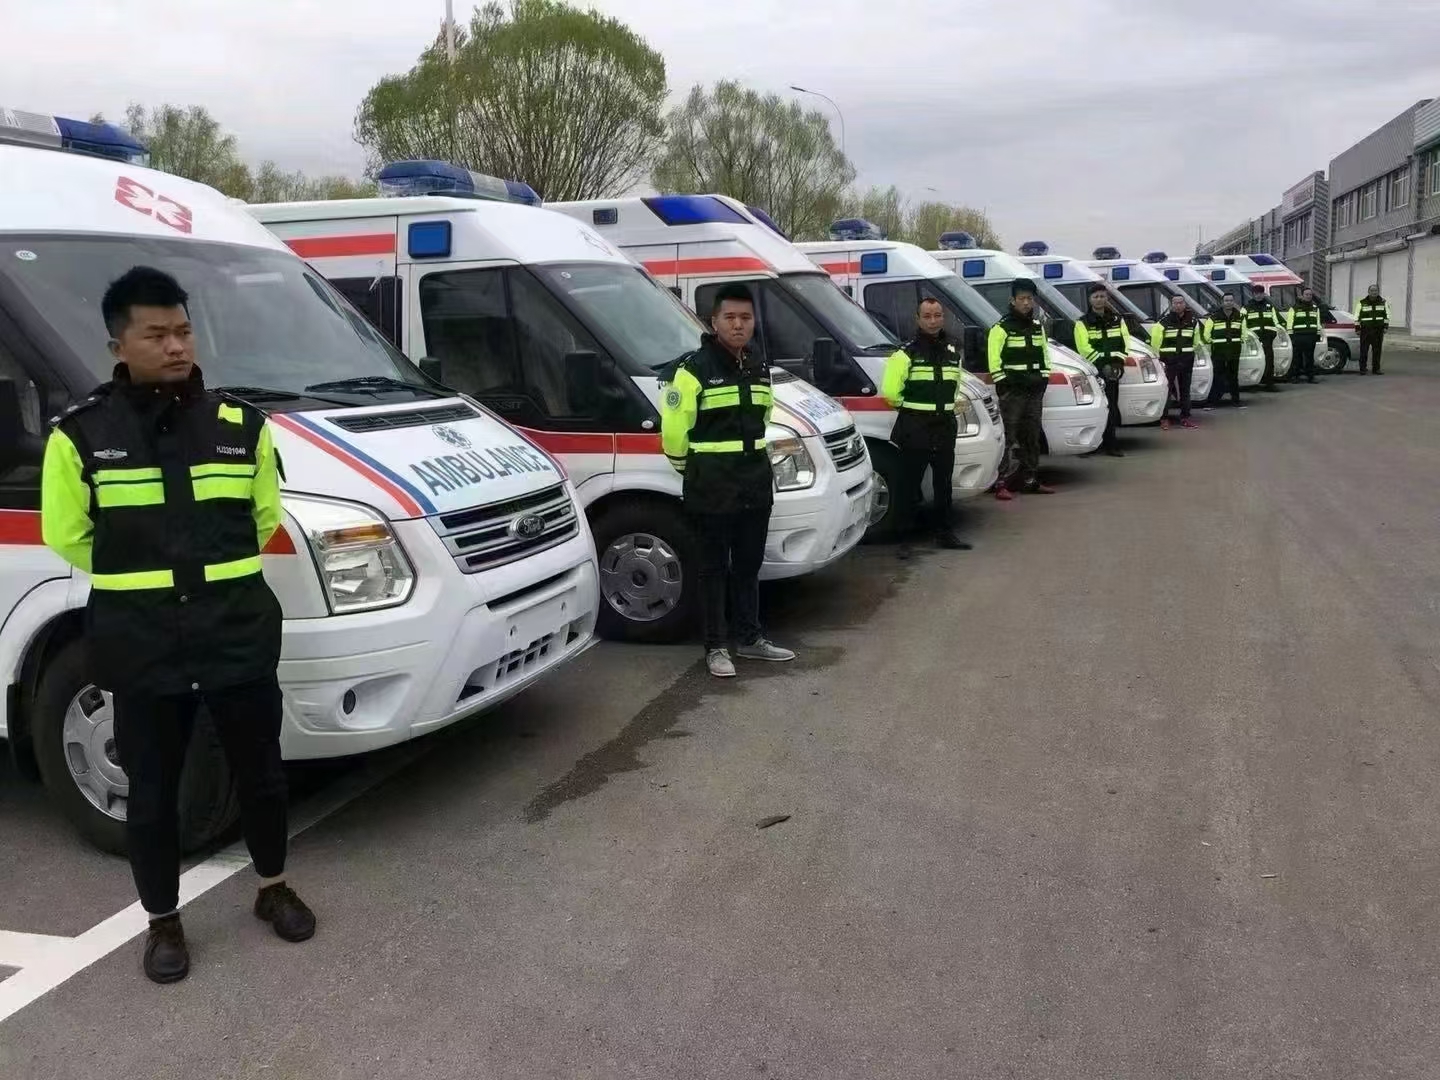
(967, 412)
(361, 562)
(791, 463)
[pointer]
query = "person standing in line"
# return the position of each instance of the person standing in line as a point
(1173, 337)
(713, 413)
(1261, 317)
(1303, 324)
(165, 493)
(1019, 363)
(1373, 316)
(922, 379)
(1224, 332)
(1100, 337)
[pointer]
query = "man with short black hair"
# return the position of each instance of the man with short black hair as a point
(1101, 338)
(1262, 318)
(1019, 362)
(1174, 337)
(1373, 316)
(922, 380)
(165, 493)
(1224, 332)
(1303, 324)
(714, 408)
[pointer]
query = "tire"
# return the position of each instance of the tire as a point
(1342, 354)
(643, 546)
(209, 803)
(885, 460)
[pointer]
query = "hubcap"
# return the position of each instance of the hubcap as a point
(1328, 360)
(88, 735)
(641, 577)
(880, 500)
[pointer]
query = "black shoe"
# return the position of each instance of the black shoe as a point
(1379, 372)
(1113, 451)
(1270, 388)
(1364, 372)
(282, 909)
(950, 542)
(167, 960)
(1311, 380)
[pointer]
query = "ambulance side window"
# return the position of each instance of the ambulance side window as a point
(22, 435)
(379, 300)
(468, 329)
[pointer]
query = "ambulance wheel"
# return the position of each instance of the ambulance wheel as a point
(648, 576)
(73, 734)
(884, 510)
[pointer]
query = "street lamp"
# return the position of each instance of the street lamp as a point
(816, 93)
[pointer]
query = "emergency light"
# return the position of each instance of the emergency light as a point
(765, 219)
(874, 262)
(855, 229)
(959, 240)
(1217, 275)
(411, 178)
(1054, 270)
(1265, 260)
(972, 268)
(693, 210)
(1035, 248)
(1202, 260)
(1155, 257)
(1106, 253)
(76, 136)
(1119, 273)
(1172, 273)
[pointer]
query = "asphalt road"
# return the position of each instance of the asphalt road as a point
(1144, 787)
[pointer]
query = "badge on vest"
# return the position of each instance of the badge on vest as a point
(716, 381)
(112, 455)
(672, 399)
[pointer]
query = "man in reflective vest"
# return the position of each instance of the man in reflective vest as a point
(922, 379)
(713, 412)
(165, 493)
(1019, 362)
(1261, 317)
(1173, 337)
(1303, 323)
(1373, 316)
(1224, 332)
(1100, 337)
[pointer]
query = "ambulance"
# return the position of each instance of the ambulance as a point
(1151, 291)
(1143, 388)
(694, 244)
(552, 327)
(431, 561)
(888, 278)
(1283, 285)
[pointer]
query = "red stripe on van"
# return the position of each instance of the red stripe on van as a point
(738, 264)
(841, 267)
(20, 527)
(866, 404)
(572, 442)
(638, 444)
(329, 247)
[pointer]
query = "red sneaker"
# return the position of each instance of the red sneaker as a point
(1187, 422)
(1003, 493)
(1164, 423)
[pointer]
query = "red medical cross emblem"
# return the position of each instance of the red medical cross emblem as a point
(165, 210)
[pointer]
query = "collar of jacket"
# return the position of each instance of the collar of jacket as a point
(711, 344)
(1016, 321)
(1373, 299)
(1259, 302)
(922, 340)
(1109, 318)
(1185, 318)
(192, 389)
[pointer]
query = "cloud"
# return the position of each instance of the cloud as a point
(1134, 122)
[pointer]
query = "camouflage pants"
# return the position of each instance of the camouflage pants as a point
(1022, 405)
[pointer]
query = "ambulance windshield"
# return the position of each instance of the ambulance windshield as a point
(262, 318)
(642, 324)
(857, 329)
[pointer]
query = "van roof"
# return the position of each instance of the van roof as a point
(1221, 275)
(47, 191)
(1139, 269)
(1070, 269)
(996, 265)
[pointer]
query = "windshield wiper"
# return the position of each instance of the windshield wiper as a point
(374, 384)
(269, 393)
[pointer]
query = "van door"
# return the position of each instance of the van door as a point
(502, 338)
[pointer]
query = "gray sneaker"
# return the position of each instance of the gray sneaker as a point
(720, 664)
(760, 649)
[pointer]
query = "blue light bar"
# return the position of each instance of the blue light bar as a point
(429, 239)
(76, 136)
(972, 268)
(1119, 273)
(855, 229)
(1034, 248)
(874, 262)
(693, 210)
(1173, 273)
(1106, 253)
(411, 178)
(765, 219)
(1155, 257)
(1054, 270)
(1202, 260)
(1265, 260)
(958, 240)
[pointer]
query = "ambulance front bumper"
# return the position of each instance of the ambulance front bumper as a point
(812, 528)
(463, 643)
(1142, 402)
(977, 462)
(1075, 429)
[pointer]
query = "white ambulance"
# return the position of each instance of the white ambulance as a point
(1143, 389)
(431, 561)
(552, 327)
(694, 244)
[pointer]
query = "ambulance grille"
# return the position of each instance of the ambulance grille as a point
(847, 448)
(484, 537)
(404, 418)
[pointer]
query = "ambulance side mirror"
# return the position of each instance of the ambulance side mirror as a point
(584, 383)
(825, 364)
(430, 367)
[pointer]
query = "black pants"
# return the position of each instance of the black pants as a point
(1371, 340)
(1178, 370)
(732, 549)
(1022, 406)
(1304, 356)
(1267, 342)
(1227, 375)
(940, 460)
(1112, 416)
(151, 734)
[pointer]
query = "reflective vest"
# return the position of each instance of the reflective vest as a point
(1373, 314)
(930, 370)
(713, 415)
(175, 486)
(1104, 335)
(1225, 335)
(1176, 339)
(1261, 319)
(1017, 347)
(1305, 319)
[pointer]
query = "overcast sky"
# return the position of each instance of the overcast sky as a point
(1081, 122)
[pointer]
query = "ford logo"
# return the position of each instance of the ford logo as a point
(527, 526)
(449, 435)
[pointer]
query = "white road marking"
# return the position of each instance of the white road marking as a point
(50, 961)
